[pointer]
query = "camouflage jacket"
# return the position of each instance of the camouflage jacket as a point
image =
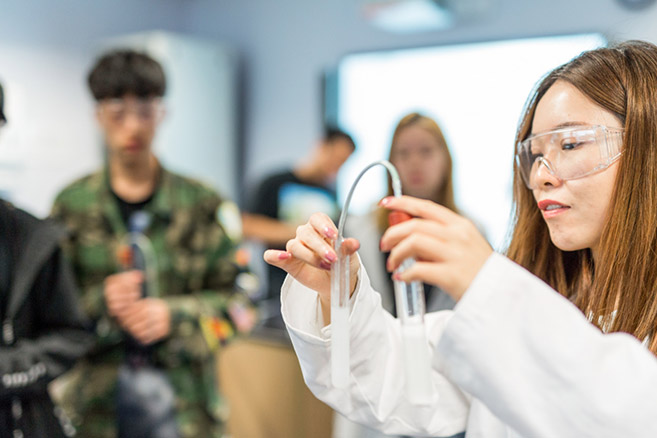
(196, 274)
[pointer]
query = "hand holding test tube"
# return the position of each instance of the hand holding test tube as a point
(410, 305)
(318, 247)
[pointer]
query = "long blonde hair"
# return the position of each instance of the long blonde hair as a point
(445, 194)
(619, 292)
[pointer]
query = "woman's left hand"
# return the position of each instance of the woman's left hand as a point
(448, 249)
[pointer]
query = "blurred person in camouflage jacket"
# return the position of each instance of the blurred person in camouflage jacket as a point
(196, 308)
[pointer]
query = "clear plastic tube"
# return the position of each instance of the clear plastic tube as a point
(410, 309)
(340, 318)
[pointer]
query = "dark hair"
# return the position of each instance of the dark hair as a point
(617, 293)
(122, 72)
(3, 119)
(332, 134)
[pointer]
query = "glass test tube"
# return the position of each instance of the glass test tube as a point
(340, 318)
(410, 309)
(409, 298)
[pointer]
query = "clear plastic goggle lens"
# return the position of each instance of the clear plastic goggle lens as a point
(568, 153)
(118, 109)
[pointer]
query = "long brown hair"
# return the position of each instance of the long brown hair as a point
(619, 292)
(445, 195)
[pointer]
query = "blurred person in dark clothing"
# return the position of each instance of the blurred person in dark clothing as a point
(285, 200)
(43, 330)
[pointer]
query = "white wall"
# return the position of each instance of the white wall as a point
(46, 49)
(49, 137)
(47, 46)
(287, 43)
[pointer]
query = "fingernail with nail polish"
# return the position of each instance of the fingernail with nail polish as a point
(325, 265)
(328, 255)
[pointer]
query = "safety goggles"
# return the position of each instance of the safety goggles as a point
(146, 110)
(568, 153)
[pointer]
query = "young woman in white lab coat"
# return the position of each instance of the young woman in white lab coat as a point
(555, 339)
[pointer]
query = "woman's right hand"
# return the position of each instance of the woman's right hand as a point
(309, 256)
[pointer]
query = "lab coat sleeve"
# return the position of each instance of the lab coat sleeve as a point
(538, 364)
(375, 395)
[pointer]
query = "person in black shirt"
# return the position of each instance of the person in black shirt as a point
(287, 199)
(43, 329)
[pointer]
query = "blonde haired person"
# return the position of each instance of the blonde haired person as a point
(557, 339)
(419, 151)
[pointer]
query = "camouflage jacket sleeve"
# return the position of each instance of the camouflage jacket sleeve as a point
(216, 309)
(91, 286)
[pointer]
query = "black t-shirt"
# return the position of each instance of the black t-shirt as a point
(285, 197)
(126, 209)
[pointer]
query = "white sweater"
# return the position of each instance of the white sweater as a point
(514, 359)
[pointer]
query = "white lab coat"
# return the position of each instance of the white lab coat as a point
(514, 359)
